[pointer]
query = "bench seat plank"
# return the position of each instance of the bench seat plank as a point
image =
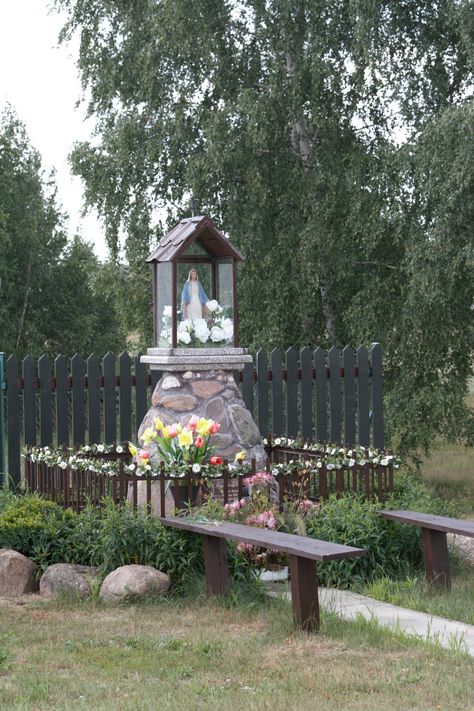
(437, 523)
(300, 546)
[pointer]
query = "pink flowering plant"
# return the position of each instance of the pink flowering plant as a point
(261, 511)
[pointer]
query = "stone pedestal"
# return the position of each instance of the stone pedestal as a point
(212, 394)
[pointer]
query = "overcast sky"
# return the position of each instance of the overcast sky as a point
(40, 81)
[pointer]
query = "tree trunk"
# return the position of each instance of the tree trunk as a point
(303, 148)
(25, 300)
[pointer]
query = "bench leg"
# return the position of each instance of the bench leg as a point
(304, 593)
(216, 567)
(435, 549)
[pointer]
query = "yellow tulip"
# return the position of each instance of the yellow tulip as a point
(132, 449)
(203, 426)
(165, 433)
(185, 439)
(148, 435)
(240, 456)
(158, 424)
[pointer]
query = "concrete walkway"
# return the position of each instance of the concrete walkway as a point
(349, 605)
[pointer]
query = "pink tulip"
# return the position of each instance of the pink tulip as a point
(193, 422)
(143, 454)
(172, 431)
(215, 427)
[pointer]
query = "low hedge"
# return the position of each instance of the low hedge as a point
(393, 550)
(110, 536)
(106, 537)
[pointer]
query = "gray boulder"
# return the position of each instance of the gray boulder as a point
(17, 574)
(136, 581)
(67, 578)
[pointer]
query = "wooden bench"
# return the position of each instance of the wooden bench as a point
(304, 553)
(435, 547)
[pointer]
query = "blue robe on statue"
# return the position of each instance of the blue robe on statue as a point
(186, 295)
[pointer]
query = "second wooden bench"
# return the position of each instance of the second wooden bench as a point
(304, 553)
(435, 546)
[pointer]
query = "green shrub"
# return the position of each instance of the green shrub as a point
(107, 537)
(32, 526)
(393, 550)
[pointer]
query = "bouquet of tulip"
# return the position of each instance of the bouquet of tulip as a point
(179, 446)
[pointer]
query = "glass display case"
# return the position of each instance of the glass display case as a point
(194, 287)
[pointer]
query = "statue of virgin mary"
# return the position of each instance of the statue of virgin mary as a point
(193, 297)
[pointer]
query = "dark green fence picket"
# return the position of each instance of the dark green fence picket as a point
(45, 401)
(29, 399)
(110, 400)
(62, 400)
(262, 392)
(3, 386)
(363, 396)
(248, 386)
(377, 395)
(321, 395)
(94, 391)
(277, 391)
(348, 363)
(334, 360)
(306, 393)
(141, 382)
(78, 408)
(292, 427)
(125, 398)
(13, 420)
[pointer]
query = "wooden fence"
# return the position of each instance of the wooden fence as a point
(75, 488)
(331, 396)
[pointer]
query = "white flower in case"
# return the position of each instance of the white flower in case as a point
(217, 334)
(212, 305)
(184, 337)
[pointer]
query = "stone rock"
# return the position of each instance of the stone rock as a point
(216, 410)
(220, 441)
(66, 577)
(17, 574)
(206, 388)
(179, 403)
(133, 581)
(170, 382)
(230, 379)
(246, 430)
(228, 395)
(188, 375)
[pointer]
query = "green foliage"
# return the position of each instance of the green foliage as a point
(66, 302)
(32, 526)
(393, 550)
(332, 142)
(107, 537)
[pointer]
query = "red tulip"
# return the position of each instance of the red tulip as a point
(215, 427)
(199, 442)
(215, 461)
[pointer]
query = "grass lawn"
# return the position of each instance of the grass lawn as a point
(450, 468)
(417, 594)
(203, 654)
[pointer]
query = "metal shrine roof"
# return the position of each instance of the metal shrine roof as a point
(188, 230)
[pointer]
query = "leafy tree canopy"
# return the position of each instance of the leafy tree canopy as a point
(329, 140)
(53, 297)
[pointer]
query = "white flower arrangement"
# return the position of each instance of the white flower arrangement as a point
(216, 329)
